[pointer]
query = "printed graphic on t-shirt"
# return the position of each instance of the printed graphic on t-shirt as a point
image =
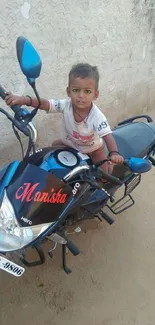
(57, 105)
(80, 140)
(83, 138)
(103, 125)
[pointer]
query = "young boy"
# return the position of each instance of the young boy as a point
(85, 127)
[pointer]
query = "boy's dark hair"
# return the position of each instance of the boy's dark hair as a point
(84, 70)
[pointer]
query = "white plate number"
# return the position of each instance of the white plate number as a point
(11, 267)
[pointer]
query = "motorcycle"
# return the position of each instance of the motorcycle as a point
(54, 188)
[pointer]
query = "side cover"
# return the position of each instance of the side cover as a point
(38, 196)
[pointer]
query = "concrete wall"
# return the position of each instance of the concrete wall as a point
(116, 35)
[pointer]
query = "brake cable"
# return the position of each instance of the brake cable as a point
(18, 138)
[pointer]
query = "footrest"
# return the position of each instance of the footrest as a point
(105, 216)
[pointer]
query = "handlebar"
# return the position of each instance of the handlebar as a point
(20, 113)
(22, 121)
(105, 175)
(85, 171)
(3, 94)
(109, 177)
(22, 116)
(20, 125)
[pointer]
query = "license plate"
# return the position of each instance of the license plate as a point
(11, 267)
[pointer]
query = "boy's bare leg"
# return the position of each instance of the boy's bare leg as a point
(58, 142)
(99, 155)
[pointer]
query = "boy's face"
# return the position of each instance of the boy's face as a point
(82, 92)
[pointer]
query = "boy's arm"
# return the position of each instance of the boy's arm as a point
(26, 100)
(115, 157)
(104, 131)
(110, 142)
(50, 106)
(32, 101)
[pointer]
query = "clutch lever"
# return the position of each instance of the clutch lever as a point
(100, 187)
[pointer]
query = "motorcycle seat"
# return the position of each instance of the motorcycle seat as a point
(134, 139)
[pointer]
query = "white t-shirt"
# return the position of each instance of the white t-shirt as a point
(85, 136)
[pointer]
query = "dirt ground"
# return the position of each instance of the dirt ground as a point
(112, 281)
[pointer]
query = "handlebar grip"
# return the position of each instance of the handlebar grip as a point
(109, 177)
(15, 108)
(3, 94)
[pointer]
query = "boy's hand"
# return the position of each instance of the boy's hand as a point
(11, 100)
(117, 159)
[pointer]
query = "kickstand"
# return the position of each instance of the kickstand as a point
(65, 267)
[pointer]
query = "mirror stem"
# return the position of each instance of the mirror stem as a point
(33, 85)
(34, 112)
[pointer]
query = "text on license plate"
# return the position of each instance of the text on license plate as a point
(11, 267)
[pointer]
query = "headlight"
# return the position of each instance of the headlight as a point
(12, 235)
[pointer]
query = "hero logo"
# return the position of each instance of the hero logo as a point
(76, 188)
(26, 221)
